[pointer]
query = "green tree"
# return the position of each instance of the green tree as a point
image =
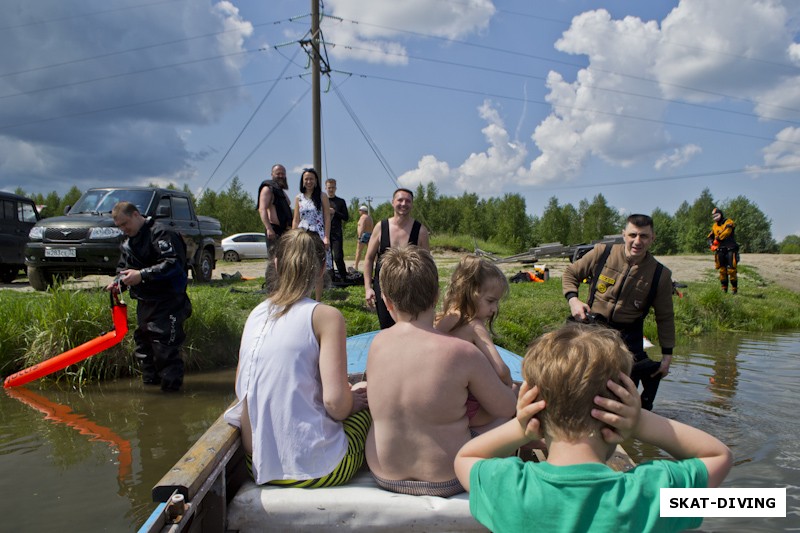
(753, 228)
(692, 223)
(664, 227)
(69, 199)
(790, 244)
(234, 207)
(553, 225)
(599, 220)
(512, 225)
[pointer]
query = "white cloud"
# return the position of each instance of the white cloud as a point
(785, 151)
(68, 103)
(487, 172)
(678, 157)
(744, 53)
(382, 25)
(716, 47)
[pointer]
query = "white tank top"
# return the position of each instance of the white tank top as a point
(278, 377)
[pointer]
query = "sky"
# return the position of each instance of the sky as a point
(647, 103)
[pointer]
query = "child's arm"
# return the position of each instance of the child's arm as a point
(483, 340)
(679, 440)
(503, 440)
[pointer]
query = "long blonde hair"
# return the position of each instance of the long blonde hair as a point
(299, 258)
(462, 294)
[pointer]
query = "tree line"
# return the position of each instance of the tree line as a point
(505, 220)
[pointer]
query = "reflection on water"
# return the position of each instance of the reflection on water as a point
(63, 453)
(743, 390)
(89, 460)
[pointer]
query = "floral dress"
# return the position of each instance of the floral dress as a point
(311, 219)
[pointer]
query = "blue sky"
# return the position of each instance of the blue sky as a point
(647, 103)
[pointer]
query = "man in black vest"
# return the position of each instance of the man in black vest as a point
(153, 265)
(273, 204)
(276, 213)
(339, 214)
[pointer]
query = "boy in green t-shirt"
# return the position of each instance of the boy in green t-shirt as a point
(578, 396)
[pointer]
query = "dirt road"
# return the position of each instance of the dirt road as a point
(782, 269)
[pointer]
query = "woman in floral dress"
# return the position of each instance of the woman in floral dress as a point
(311, 213)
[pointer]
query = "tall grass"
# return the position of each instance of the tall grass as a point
(37, 326)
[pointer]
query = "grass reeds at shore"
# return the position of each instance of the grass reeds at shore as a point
(37, 326)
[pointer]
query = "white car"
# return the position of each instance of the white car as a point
(244, 246)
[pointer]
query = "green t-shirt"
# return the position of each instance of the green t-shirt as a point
(511, 495)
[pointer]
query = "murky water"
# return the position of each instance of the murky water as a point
(87, 462)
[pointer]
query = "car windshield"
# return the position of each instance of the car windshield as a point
(99, 201)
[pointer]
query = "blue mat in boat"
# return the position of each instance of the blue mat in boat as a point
(358, 346)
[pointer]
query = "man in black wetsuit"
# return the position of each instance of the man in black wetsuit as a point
(339, 214)
(153, 265)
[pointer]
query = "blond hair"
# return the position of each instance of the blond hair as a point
(409, 278)
(299, 258)
(571, 366)
(472, 275)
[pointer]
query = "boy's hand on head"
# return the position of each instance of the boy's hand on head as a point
(622, 414)
(527, 409)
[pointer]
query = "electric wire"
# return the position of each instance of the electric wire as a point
(561, 62)
(573, 108)
(249, 120)
(264, 139)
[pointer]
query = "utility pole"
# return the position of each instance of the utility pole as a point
(315, 84)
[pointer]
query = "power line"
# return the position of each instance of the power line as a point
(370, 142)
(713, 173)
(267, 136)
(252, 115)
(574, 108)
(85, 15)
(135, 49)
(542, 78)
(562, 62)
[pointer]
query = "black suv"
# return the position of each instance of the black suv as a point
(17, 216)
(85, 241)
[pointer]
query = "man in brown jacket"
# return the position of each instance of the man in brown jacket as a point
(626, 280)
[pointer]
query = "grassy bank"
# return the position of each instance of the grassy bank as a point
(37, 326)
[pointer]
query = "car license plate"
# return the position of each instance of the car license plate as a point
(59, 252)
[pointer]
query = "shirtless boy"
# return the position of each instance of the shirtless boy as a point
(418, 381)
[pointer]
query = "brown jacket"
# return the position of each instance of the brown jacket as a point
(622, 290)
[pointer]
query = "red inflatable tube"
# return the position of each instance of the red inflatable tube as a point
(119, 312)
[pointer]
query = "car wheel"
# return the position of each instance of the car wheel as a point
(231, 255)
(8, 274)
(39, 278)
(205, 268)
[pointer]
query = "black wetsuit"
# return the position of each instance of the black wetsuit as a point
(163, 305)
(336, 240)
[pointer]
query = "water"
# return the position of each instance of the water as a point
(87, 462)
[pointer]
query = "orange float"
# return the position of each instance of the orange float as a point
(119, 313)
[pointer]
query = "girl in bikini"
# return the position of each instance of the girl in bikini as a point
(469, 309)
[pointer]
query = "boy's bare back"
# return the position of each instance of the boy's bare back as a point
(418, 383)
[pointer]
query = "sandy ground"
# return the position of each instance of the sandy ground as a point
(782, 269)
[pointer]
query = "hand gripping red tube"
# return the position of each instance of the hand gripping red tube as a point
(119, 313)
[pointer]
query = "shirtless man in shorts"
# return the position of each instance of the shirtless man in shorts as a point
(365, 225)
(418, 381)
